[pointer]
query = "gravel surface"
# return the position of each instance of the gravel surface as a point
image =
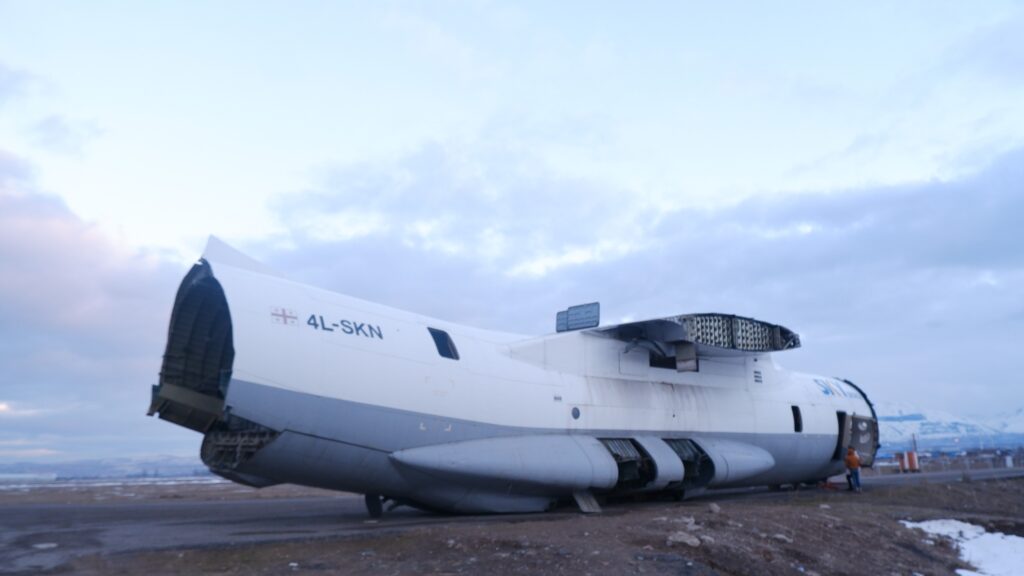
(810, 531)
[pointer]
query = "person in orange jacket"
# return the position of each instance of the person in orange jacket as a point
(853, 468)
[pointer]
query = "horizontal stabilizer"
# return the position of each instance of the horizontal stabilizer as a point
(554, 461)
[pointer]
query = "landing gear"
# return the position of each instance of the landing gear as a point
(374, 505)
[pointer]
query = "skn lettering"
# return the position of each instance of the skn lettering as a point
(349, 327)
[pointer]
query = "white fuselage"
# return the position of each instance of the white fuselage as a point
(291, 383)
(505, 379)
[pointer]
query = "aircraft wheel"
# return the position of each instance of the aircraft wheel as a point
(374, 505)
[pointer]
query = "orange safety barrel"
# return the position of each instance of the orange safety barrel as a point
(912, 465)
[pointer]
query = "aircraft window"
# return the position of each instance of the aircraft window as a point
(798, 421)
(445, 344)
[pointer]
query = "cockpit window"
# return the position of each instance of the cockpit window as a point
(445, 344)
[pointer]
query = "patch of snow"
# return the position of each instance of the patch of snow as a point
(992, 554)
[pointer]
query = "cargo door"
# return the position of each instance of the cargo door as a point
(197, 364)
(864, 438)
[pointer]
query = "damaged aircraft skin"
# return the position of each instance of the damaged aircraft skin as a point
(290, 383)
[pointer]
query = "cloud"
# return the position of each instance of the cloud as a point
(22, 448)
(9, 410)
(13, 171)
(64, 135)
(487, 203)
(994, 50)
(82, 320)
(954, 108)
(28, 453)
(60, 273)
(12, 82)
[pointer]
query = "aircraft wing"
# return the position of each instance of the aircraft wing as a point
(690, 336)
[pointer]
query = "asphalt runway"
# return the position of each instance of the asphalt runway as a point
(44, 536)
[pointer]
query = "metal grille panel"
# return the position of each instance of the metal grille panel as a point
(622, 449)
(737, 333)
(751, 335)
(711, 329)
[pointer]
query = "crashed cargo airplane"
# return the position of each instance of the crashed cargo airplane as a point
(289, 383)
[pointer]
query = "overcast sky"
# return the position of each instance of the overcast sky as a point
(853, 172)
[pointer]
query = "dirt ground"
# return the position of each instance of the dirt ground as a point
(810, 531)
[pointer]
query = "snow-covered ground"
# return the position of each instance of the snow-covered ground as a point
(991, 554)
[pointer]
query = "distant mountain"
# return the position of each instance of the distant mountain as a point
(1012, 423)
(935, 430)
(156, 466)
